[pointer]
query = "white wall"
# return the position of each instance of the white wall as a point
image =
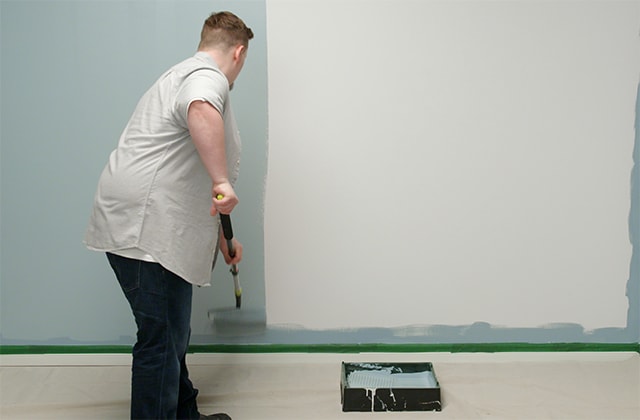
(469, 163)
(437, 162)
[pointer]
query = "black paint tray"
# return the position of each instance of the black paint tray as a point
(389, 387)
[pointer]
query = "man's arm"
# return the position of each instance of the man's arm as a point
(206, 127)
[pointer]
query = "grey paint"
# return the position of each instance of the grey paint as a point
(72, 71)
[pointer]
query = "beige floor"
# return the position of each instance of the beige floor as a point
(306, 386)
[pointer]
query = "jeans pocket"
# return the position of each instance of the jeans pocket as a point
(127, 271)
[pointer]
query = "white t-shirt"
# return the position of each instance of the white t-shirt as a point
(154, 195)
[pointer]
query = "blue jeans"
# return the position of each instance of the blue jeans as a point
(161, 305)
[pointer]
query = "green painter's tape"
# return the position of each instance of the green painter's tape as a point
(343, 348)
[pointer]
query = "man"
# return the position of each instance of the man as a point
(156, 205)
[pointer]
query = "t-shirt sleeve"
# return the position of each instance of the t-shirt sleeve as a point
(201, 85)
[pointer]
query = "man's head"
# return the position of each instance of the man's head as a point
(226, 37)
(224, 30)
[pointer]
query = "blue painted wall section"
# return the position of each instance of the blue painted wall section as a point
(633, 286)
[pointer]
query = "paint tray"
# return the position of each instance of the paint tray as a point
(389, 387)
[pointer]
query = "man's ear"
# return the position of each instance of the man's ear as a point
(238, 51)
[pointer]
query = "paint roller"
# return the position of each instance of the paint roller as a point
(236, 321)
(227, 231)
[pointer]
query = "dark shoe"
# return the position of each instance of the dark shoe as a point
(217, 416)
